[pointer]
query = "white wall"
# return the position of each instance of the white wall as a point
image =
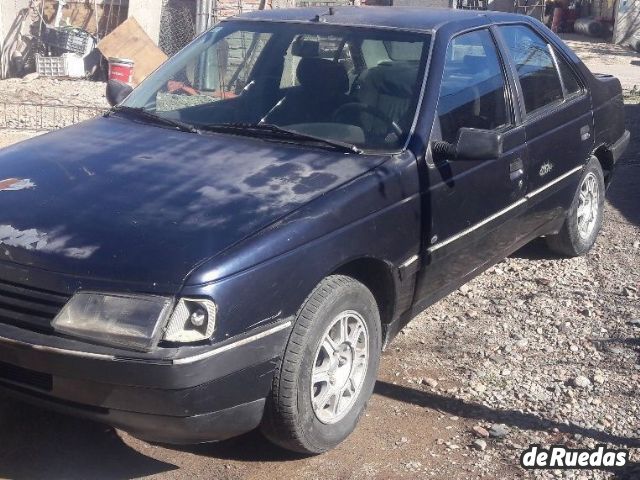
(148, 13)
(8, 14)
(627, 21)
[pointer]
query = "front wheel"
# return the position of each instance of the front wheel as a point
(584, 219)
(328, 370)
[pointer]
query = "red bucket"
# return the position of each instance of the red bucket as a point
(121, 69)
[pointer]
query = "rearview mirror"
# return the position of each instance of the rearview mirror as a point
(471, 144)
(117, 91)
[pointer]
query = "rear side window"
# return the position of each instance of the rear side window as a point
(472, 93)
(536, 68)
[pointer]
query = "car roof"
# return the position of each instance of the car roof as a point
(409, 18)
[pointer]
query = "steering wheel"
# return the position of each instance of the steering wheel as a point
(349, 110)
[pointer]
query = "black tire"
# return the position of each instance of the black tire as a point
(569, 242)
(290, 420)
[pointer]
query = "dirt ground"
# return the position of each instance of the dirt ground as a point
(504, 353)
(602, 57)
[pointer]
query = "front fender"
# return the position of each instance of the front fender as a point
(268, 276)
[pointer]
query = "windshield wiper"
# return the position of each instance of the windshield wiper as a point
(274, 131)
(143, 114)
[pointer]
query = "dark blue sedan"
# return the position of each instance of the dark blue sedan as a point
(237, 240)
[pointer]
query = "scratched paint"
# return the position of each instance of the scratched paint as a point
(33, 239)
(15, 184)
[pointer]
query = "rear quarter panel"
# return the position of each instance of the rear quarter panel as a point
(608, 109)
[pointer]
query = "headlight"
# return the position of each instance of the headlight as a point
(132, 321)
(136, 321)
(193, 320)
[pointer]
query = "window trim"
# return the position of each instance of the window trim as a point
(554, 50)
(557, 58)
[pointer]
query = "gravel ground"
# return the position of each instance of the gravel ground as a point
(46, 103)
(536, 350)
(53, 91)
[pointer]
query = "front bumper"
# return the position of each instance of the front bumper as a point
(211, 395)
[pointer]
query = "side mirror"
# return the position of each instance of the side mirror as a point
(117, 91)
(471, 144)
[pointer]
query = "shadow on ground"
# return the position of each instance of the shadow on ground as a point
(624, 193)
(535, 250)
(251, 447)
(39, 444)
(510, 418)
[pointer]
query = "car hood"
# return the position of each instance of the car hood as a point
(119, 200)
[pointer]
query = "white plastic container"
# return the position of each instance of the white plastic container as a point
(68, 65)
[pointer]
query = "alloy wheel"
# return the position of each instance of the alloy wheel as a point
(589, 203)
(340, 367)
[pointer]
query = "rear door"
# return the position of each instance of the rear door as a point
(556, 112)
(471, 207)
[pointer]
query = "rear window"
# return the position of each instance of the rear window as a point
(376, 52)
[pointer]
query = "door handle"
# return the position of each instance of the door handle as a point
(516, 169)
(585, 133)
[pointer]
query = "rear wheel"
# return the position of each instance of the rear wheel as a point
(328, 370)
(584, 219)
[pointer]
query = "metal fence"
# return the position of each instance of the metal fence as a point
(182, 20)
(177, 25)
(43, 117)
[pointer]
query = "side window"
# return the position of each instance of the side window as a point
(569, 79)
(473, 86)
(536, 69)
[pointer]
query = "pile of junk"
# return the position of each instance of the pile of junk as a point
(589, 18)
(71, 39)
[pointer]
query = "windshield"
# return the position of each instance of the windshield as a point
(357, 86)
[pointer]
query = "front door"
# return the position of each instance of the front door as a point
(472, 208)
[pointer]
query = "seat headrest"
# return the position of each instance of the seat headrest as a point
(393, 79)
(323, 75)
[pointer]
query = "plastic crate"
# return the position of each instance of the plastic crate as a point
(68, 65)
(72, 40)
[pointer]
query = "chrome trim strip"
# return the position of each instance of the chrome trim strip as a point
(524, 199)
(239, 343)
(410, 261)
(466, 231)
(179, 361)
(63, 351)
(552, 182)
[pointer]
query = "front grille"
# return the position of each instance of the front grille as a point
(23, 376)
(29, 307)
